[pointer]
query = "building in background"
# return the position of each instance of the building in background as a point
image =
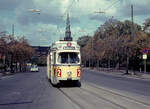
(40, 53)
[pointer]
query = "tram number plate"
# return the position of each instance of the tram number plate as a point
(69, 78)
(69, 75)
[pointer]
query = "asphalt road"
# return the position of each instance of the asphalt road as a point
(32, 90)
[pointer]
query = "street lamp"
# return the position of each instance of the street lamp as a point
(99, 12)
(34, 11)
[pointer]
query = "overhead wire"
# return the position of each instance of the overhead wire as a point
(65, 13)
(68, 8)
(110, 6)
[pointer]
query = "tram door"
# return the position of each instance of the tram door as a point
(48, 66)
(53, 67)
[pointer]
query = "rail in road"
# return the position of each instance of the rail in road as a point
(91, 96)
(34, 91)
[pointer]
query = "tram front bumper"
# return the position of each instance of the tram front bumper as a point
(66, 79)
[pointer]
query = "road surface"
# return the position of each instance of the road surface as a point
(32, 90)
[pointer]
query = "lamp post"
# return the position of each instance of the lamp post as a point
(145, 52)
(35, 11)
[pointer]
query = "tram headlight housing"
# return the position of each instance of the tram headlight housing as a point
(58, 72)
(78, 72)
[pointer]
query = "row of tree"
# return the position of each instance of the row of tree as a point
(112, 43)
(15, 52)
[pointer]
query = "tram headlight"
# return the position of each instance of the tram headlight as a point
(78, 72)
(58, 72)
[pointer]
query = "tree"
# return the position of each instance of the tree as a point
(82, 41)
(111, 40)
(16, 50)
(147, 25)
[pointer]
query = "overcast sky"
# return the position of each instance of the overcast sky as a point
(49, 26)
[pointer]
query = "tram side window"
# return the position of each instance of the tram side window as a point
(68, 58)
(54, 57)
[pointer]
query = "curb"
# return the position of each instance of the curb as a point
(5, 74)
(122, 74)
(1, 74)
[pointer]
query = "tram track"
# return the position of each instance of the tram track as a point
(75, 104)
(80, 105)
(85, 89)
(118, 94)
(107, 100)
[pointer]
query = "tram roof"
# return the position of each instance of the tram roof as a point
(64, 42)
(65, 45)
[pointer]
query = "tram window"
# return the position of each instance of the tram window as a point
(73, 58)
(54, 57)
(63, 57)
(68, 58)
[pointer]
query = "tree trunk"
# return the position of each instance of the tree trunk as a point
(20, 67)
(11, 65)
(127, 64)
(108, 63)
(89, 62)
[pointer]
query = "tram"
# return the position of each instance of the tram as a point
(63, 62)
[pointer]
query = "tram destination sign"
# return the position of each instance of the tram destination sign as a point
(69, 48)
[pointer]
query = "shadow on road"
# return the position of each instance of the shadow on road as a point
(67, 84)
(15, 103)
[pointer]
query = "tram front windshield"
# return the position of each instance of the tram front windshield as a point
(68, 58)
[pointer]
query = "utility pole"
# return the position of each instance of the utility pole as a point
(144, 65)
(132, 28)
(92, 52)
(131, 39)
(13, 30)
(11, 62)
(92, 40)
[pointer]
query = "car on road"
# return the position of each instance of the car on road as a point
(34, 68)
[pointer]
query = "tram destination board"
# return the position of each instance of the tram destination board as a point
(69, 48)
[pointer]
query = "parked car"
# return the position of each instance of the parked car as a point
(34, 68)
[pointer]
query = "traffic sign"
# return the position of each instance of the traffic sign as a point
(144, 56)
(145, 51)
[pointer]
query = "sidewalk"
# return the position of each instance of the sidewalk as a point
(4, 74)
(121, 73)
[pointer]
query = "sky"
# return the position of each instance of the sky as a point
(49, 26)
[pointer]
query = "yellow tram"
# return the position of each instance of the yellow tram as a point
(63, 62)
